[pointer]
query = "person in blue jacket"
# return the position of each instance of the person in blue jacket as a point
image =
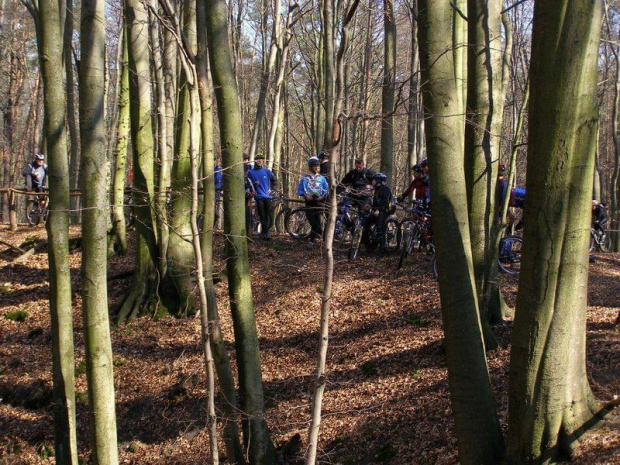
(313, 188)
(218, 177)
(263, 182)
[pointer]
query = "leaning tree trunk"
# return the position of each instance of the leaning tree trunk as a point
(140, 296)
(257, 440)
(98, 346)
(485, 105)
(389, 89)
(550, 403)
(50, 55)
(477, 427)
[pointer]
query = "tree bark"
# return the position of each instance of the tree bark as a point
(550, 402)
(388, 90)
(119, 227)
(98, 346)
(256, 435)
(140, 296)
(477, 427)
(50, 59)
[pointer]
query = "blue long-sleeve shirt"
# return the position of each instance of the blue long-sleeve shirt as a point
(262, 181)
(313, 184)
(218, 177)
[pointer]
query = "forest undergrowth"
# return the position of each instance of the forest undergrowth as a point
(387, 395)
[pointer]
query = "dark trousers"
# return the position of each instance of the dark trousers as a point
(314, 211)
(264, 206)
(379, 222)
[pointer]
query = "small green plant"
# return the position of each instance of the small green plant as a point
(280, 247)
(368, 369)
(81, 368)
(29, 242)
(418, 321)
(81, 398)
(46, 451)
(119, 361)
(415, 374)
(18, 316)
(5, 288)
(133, 448)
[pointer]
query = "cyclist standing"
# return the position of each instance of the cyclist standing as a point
(382, 207)
(420, 186)
(263, 182)
(35, 173)
(313, 188)
(359, 180)
(599, 215)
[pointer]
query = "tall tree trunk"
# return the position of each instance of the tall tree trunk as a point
(98, 346)
(365, 92)
(329, 72)
(477, 427)
(119, 228)
(50, 59)
(485, 104)
(228, 407)
(320, 380)
(257, 440)
(389, 88)
(265, 76)
(71, 108)
(180, 253)
(165, 158)
(413, 114)
(140, 296)
(551, 402)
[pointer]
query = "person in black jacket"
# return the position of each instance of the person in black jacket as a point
(359, 181)
(380, 209)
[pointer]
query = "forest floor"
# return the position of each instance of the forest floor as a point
(387, 395)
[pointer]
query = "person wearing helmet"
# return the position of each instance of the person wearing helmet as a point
(263, 182)
(381, 208)
(599, 215)
(313, 188)
(324, 167)
(359, 181)
(35, 174)
(419, 187)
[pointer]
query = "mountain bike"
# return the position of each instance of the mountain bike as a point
(372, 241)
(37, 210)
(416, 235)
(599, 240)
(509, 256)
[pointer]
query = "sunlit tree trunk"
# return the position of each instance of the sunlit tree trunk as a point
(389, 89)
(551, 403)
(256, 435)
(98, 346)
(50, 59)
(477, 426)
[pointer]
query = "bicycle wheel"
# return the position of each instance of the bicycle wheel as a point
(410, 238)
(604, 242)
(296, 223)
(280, 221)
(391, 234)
(509, 259)
(592, 240)
(34, 215)
(355, 243)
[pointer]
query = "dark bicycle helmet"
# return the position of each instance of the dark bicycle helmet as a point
(380, 178)
(39, 156)
(502, 168)
(424, 162)
(417, 169)
(313, 161)
(323, 155)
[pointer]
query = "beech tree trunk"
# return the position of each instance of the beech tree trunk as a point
(98, 346)
(256, 435)
(477, 426)
(389, 89)
(550, 402)
(50, 58)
